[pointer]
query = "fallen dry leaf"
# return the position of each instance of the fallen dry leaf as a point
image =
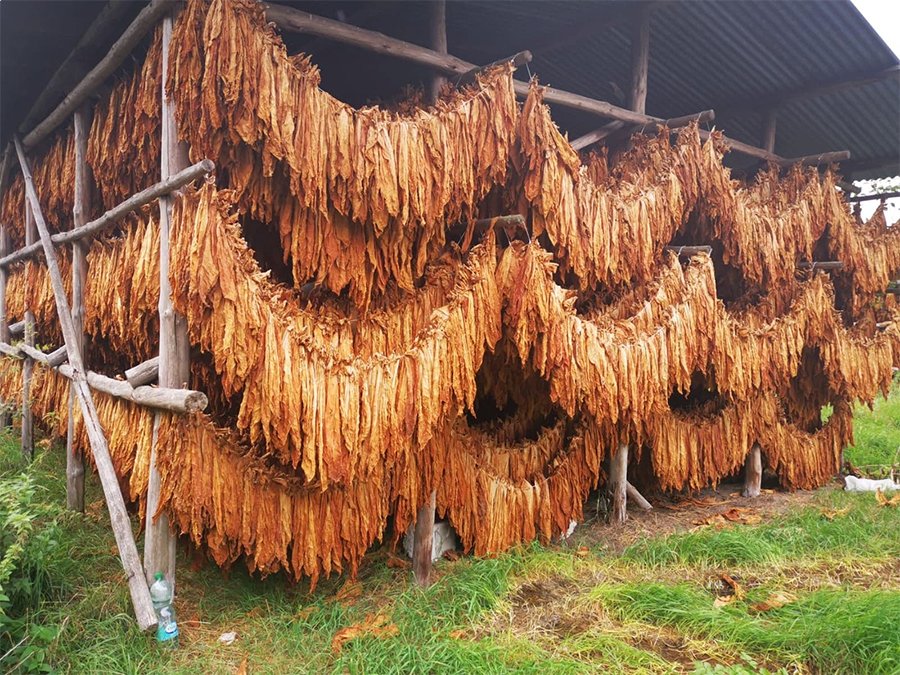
(458, 634)
(831, 514)
(775, 600)
(582, 551)
(884, 501)
(722, 600)
(398, 563)
(242, 668)
(378, 625)
(451, 554)
(349, 591)
(736, 589)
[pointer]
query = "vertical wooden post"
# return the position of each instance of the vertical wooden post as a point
(640, 60)
(74, 459)
(118, 516)
(174, 347)
(753, 472)
(423, 542)
(768, 139)
(5, 416)
(28, 363)
(423, 534)
(617, 484)
(438, 43)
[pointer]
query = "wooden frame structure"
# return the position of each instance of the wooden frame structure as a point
(171, 367)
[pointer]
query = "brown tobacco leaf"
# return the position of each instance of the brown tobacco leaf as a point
(736, 589)
(775, 600)
(378, 625)
(883, 500)
(242, 667)
(831, 514)
(351, 590)
(398, 563)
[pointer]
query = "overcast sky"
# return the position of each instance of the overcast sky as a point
(884, 15)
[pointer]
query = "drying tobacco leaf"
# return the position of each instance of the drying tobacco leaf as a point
(775, 600)
(883, 500)
(378, 625)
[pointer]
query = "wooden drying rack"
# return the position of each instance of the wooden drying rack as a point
(171, 367)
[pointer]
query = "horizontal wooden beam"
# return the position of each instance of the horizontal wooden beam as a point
(868, 198)
(517, 60)
(687, 251)
(816, 160)
(116, 213)
(821, 265)
(51, 359)
(143, 373)
(120, 50)
(607, 129)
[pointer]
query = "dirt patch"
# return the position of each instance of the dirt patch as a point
(672, 514)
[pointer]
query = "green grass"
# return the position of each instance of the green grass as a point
(848, 631)
(646, 610)
(866, 531)
(877, 432)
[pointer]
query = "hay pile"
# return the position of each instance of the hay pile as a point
(497, 373)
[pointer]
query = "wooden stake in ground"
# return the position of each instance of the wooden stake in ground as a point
(174, 347)
(74, 460)
(28, 364)
(753, 472)
(617, 484)
(121, 523)
(423, 546)
(5, 416)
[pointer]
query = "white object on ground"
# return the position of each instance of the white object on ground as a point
(854, 484)
(228, 638)
(444, 539)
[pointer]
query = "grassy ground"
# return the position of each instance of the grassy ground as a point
(662, 604)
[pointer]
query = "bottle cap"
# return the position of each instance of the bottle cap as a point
(158, 576)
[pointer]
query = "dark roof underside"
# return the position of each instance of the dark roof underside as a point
(730, 56)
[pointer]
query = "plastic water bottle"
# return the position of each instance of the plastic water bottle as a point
(161, 595)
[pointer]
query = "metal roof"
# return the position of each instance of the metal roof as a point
(731, 56)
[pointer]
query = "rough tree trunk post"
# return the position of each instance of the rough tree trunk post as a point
(753, 472)
(121, 523)
(640, 60)
(423, 535)
(174, 348)
(27, 363)
(5, 416)
(438, 43)
(423, 538)
(618, 481)
(74, 459)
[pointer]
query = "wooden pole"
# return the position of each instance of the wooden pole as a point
(74, 459)
(28, 363)
(821, 265)
(639, 500)
(640, 60)
(423, 536)
(753, 472)
(5, 416)
(423, 542)
(688, 251)
(121, 48)
(174, 347)
(881, 195)
(617, 486)
(143, 373)
(518, 60)
(115, 214)
(769, 124)
(121, 523)
(438, 43)
(672, 123)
